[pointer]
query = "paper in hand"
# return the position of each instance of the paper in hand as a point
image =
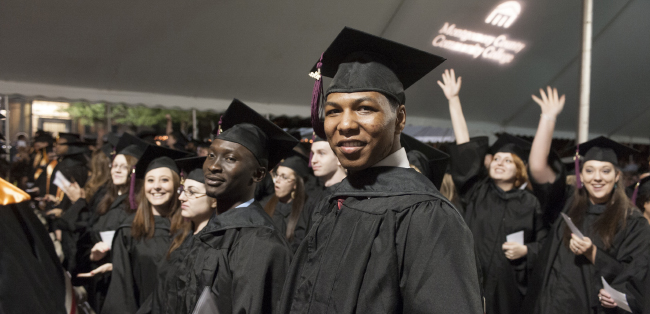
(107, 237)
(573, 227)
(619, 297)
(61, 181)
(207, 303)
(517, 237)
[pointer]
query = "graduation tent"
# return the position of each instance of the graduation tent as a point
(202, 54)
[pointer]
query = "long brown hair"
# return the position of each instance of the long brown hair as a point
(609, 222)
(185, 229)
(521, 176)
(296, 206)
(100, 173)
(112, 190)
(143, 225)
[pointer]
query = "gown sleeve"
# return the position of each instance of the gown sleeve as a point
(541, 230)
(257, 282)
(435, 252)
(120, 297)
(552, 196)
(467, 164)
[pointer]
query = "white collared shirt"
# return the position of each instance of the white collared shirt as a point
(396, 159)
(248, 203)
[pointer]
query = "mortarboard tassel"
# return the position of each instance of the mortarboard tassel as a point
(219, 127)
(132, 202)
(576, 161)
(311, 153)
(316, 96)
(636, 192)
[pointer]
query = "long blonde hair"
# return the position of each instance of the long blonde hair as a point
(100, 173)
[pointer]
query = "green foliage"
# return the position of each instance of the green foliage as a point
(87, 113)
(90, 114)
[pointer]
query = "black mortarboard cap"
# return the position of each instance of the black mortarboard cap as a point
(2, 116)
(131, 146)
(298, 163)
(148, 136)
(431, 162)
(357, 62)
(604, 149)
(192, 168)
(508, 143)
(42, 136)
(70, 137)
(157, 157)
(268, 142)
(74, 142)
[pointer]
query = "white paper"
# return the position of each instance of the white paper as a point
(61, 181)
(517, 237)
(107, 237)
(619, 297)
(573, 227)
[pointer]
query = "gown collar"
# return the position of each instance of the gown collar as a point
(396, 159)
(239, 217)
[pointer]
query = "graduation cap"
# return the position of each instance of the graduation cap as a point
(243, 125)
(358, 62)
(148, 136)
(601, 149)
(191, 168)
(298, 163)
(2, 116)
(508, 143)
(431, 162)
(131, 146)
(154, 157)
(74, 143)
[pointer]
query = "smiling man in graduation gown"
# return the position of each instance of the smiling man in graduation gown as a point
(385, 241)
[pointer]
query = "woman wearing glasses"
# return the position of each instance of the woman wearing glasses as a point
(289, 199)
(140, 244)
(196, 207)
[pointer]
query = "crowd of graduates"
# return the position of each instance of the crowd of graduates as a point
(356, 217)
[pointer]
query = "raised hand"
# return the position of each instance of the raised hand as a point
(451, 86)
(550, 103)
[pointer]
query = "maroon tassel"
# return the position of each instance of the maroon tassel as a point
(132, 201)
(636, 192)
(219, 127)
(316, 97)
(311, 153)
(576, 162)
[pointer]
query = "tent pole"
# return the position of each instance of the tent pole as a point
(109, 127)
(5, 99)
(585, 73)
(195, 131)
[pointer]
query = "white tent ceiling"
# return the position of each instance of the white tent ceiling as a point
(201, 54)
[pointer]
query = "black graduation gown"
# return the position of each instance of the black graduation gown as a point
(492, 214)
(239, 254)
(305, 219)
(566, 283)
(111, 220)
(135, 267)
(31, 276)
(395, 246)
